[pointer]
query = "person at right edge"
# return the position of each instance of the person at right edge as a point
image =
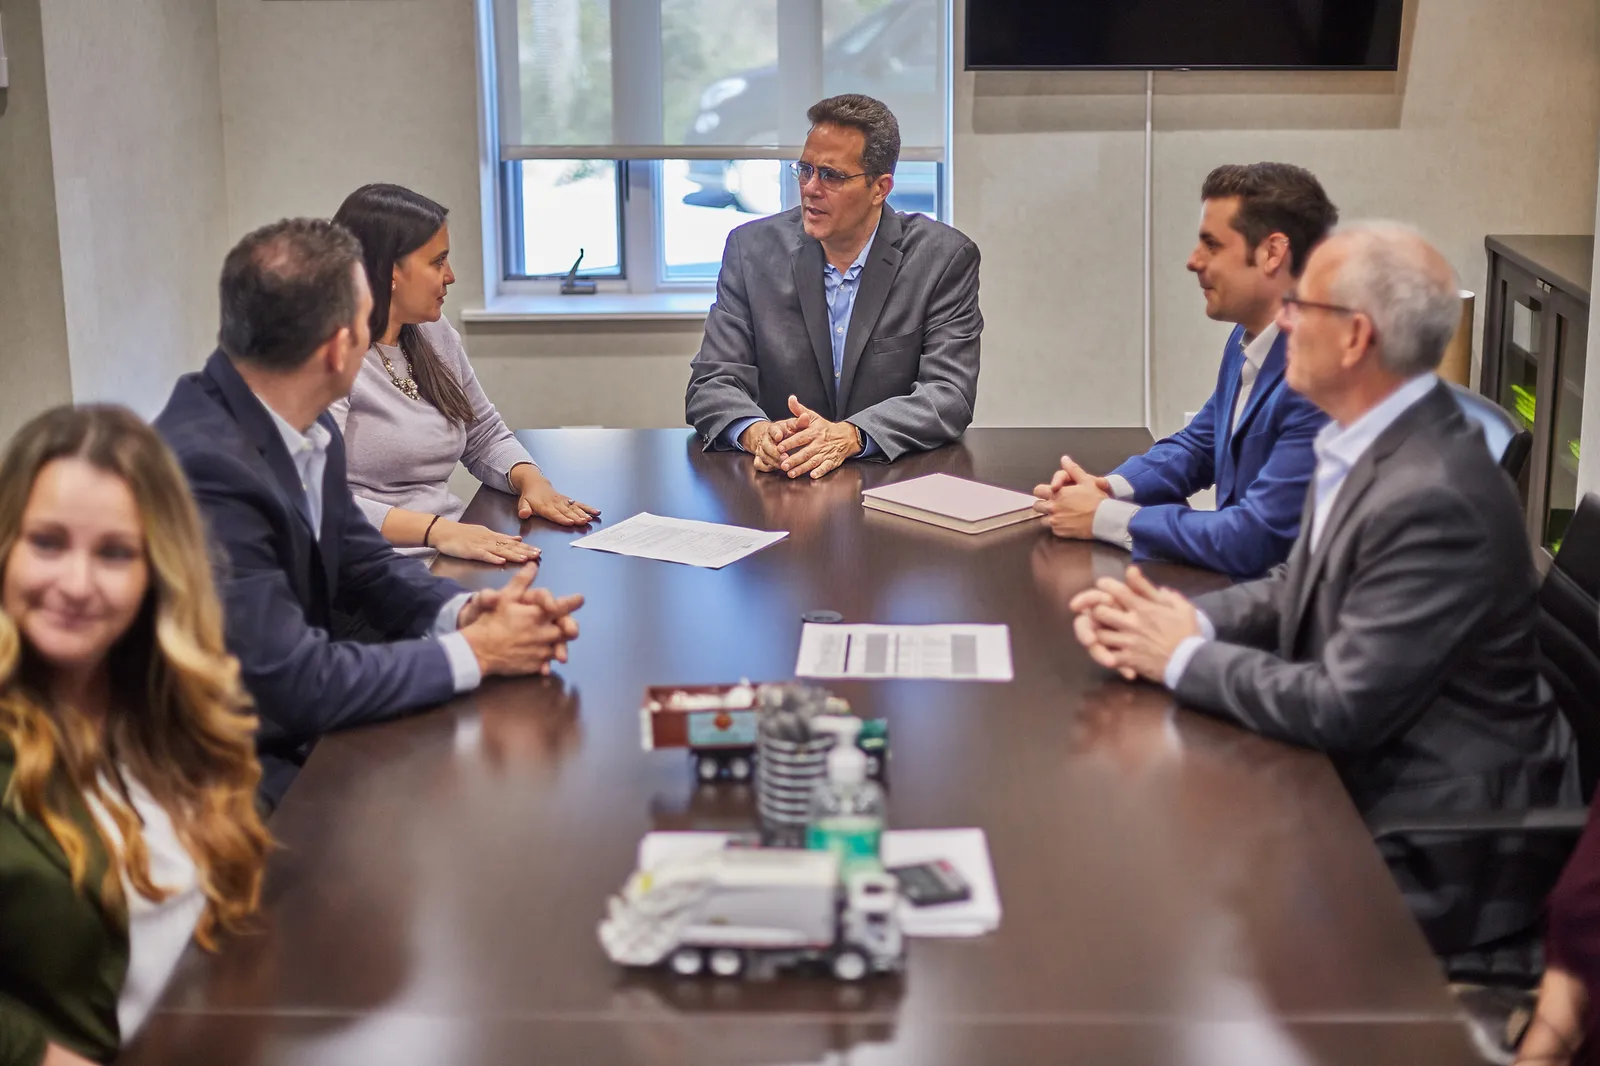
(302, 570)
(1400, 638)
(1565, 1027)
(1252, 438)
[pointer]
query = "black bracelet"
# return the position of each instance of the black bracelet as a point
(429, 532)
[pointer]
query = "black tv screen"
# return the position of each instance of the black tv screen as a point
(1167, 34)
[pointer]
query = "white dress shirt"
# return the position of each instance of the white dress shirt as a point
(309, 451)
(1338, 449)
(158, 931)
(1111, 518)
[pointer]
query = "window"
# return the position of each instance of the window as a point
(639, 133)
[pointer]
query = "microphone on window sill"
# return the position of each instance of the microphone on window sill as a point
(572, 286)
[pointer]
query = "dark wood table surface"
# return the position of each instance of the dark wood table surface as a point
(1176, 891)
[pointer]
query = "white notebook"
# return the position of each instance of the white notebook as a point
(952, 502)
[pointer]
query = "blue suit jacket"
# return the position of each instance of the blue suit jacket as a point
(282, 588)
(1260, 470)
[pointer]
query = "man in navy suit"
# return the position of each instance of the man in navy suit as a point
(1252, 439)
(298, 560)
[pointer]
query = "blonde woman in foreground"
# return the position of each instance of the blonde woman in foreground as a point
(127, 765)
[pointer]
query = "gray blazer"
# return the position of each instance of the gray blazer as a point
(1405, 648)
(910, 372)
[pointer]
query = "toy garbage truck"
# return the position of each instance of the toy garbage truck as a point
(717, 724)
(733, 910)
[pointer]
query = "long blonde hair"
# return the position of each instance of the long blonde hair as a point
(179, 725)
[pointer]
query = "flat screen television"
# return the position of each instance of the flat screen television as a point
(1183, 34)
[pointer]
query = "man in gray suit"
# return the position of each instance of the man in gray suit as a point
(842, 328)
(1399, 638)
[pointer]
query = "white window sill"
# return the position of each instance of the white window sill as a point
(600, 307)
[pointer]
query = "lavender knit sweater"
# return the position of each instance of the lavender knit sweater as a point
(400, 452)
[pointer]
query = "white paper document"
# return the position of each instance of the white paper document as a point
(679, 540)
(949, 653)
(965, 849)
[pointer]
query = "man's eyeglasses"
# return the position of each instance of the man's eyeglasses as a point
(830, 177)
(1297, 307)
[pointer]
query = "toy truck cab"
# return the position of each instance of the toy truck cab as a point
(717, 723)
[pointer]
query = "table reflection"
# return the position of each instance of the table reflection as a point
(522, 725)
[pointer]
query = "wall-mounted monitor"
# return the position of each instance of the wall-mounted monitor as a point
(1183, 34)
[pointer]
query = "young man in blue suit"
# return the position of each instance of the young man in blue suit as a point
(1252, 439)
(297, 560)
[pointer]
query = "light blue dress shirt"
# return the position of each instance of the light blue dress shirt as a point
(1338, 449)
(840, 292)
(309, 452)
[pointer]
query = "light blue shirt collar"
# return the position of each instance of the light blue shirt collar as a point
(314, 438)
(309, 453)
(1347, 444)
(1338, 448)
(861, 258)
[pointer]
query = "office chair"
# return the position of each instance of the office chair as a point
(1494, 986)
(1569, 659)
(1508, 442)
(1569, 635)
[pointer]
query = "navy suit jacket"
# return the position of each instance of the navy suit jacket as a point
(282, 589)
(1260, 470)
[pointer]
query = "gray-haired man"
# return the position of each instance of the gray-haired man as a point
(842, 328)
(1399, 638)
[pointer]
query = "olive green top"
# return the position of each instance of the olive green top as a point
(64, 956)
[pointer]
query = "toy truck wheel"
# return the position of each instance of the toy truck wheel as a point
(739, 768)
(726, 962)
(849, 965)
(686, 962)
(707, 767)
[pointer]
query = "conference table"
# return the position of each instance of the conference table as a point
(1175, 890)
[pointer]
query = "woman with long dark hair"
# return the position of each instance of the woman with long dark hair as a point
(416, 407)
(128, 771)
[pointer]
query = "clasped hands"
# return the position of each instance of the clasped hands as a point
(519, 629)
(804, 444)
(1133, 627)
(1069, 501)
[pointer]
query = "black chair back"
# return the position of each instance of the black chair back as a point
(1508, 442)
(1514, 460)
(1569, 634)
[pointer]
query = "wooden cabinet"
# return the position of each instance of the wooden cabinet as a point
(1536, 335)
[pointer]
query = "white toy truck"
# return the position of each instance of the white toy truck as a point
(734, 910)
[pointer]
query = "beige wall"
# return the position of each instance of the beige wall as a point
(34, 372)
(136, 139)
(1047, 178)
(320, 98)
